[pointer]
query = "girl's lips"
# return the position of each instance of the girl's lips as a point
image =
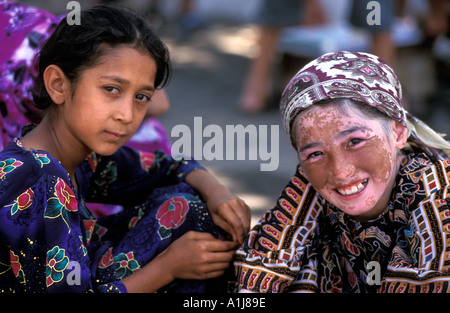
(352, 189)
(115, 135)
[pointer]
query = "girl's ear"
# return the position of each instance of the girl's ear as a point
(55, 83)
(400, 135)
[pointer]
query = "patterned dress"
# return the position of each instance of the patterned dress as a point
(50, 241)
(304, 244)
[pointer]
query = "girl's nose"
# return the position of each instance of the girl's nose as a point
(124, 111)
(341, 167)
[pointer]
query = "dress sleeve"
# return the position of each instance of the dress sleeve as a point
(280, 248)
(43, 242)
(421, 258)
(128, 176)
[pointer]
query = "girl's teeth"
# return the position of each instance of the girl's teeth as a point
(352, 190)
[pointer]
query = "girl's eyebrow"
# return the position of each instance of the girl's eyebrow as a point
(309, 146)
(338, 136)
(122, 81)
(351, 130)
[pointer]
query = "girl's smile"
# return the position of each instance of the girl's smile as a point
(353, 189)
(350, 160)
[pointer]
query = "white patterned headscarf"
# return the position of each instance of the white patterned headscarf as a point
(362, 77)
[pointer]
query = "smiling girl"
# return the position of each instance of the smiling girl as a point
(95, 82)
(350, 160)
(367, 209)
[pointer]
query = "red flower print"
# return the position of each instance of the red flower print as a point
(133, 222)
(89, 226)
(147, 160)
(15, 265)
(107, 259)
(22, 202)
(172, 212)
(63, 202)
(65, 195)
(93, 161)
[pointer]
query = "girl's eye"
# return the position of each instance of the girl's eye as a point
(111, 89)
(142, 97)
(314, 155)
(355, 141)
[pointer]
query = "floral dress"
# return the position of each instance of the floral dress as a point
(50, 241)
(305, 244)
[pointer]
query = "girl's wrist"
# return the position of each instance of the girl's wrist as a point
(153, 276)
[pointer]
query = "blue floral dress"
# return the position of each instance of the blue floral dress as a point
(49, 240)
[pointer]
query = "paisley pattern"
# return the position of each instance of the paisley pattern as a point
(354, 75)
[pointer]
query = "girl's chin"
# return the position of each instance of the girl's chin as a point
(361, 206)
(106, 152)
(362, 214)
(359, 214)
(357, 209)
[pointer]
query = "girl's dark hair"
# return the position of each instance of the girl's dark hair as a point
(77, 47)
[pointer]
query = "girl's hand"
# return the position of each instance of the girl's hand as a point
(198, 255)
(228, 211)
(194, 255)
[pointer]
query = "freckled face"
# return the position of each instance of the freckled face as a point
(349, 160)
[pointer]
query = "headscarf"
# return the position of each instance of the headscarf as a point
(361, 77)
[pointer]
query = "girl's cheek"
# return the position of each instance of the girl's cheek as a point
(317, 175)
(376, 159)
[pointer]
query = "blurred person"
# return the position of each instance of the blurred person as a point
(437, 31)
(189, 20)
(437, 18)
(382, 43)
(272, 16)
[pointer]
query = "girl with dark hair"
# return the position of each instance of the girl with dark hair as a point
(179, 227)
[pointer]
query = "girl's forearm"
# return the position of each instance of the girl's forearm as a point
(204, 183)
(150, 278)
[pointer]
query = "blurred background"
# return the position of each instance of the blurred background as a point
(230, 67)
